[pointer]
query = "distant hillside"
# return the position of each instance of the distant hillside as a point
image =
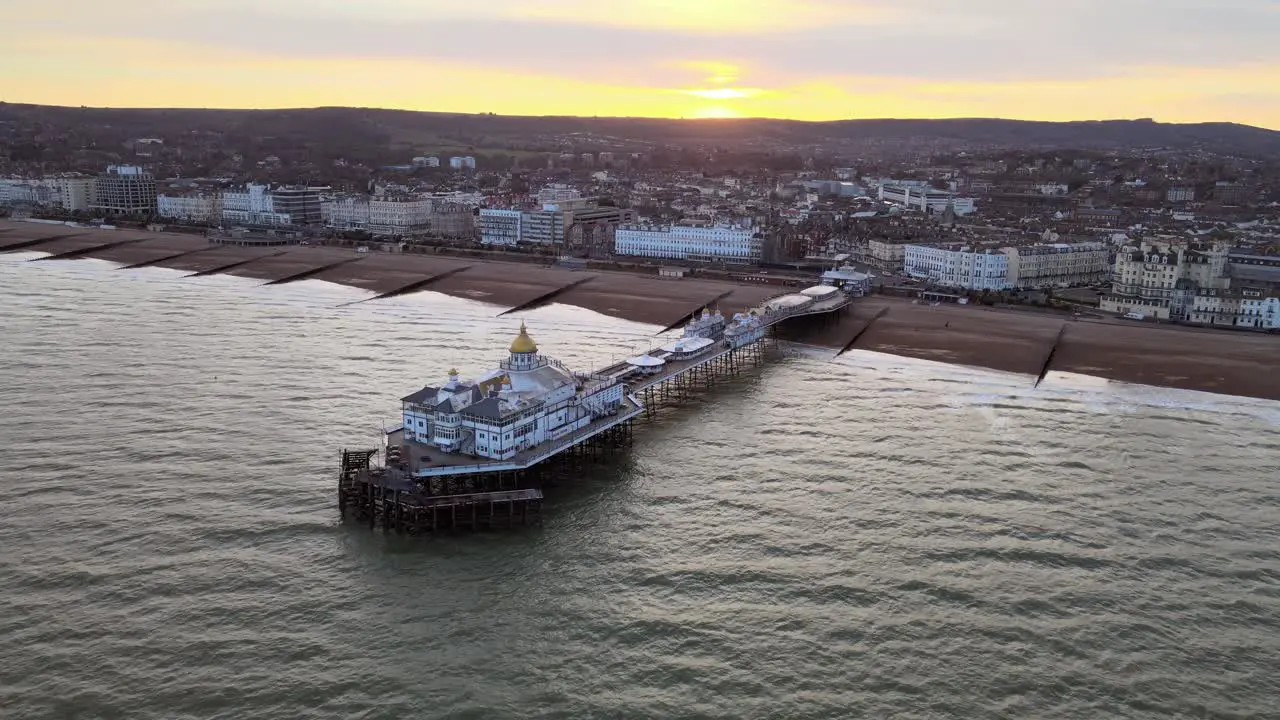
(1093, 133)
(401, 128)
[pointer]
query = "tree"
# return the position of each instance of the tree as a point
(26, 152)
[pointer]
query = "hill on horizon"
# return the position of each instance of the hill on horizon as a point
(387, 127)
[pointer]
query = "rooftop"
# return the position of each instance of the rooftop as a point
(1256, 273)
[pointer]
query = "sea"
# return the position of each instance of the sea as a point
(858, 537)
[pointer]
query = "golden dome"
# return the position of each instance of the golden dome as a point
(523, 343)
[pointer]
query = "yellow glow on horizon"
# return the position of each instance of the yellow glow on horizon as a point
(719, 73)
(70, 70)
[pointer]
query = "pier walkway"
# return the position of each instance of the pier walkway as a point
(427, 461)
(423, 488)
(674, 368)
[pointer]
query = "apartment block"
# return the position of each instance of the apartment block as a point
(1162, 281)
(1058, 265)
(75, 193)
(254, 205)
(500, 226)
(576, 223)
(404, 216)
(124, 190)
(679, 242)
(300, 203)
(193, 207)
(926, 199)
(558, 193)
(960, 267)
(885, 255)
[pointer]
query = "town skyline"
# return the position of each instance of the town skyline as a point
(1180, 62)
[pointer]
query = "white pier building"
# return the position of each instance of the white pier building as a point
(745, 329)
(529, 399)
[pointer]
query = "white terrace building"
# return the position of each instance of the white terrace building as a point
(26, 192)
(198, 207)
(962, 268)
(1058, 265)
(254, 205)
(395, 216)
(529, 399)
(1163, 281)
(679, 242)
(68, 193)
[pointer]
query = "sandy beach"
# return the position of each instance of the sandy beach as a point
(1222, 361)
(1236, 363)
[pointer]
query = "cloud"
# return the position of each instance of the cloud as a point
(725, 93)
(717, 72)
(933, 39)
(707, 16)
(832, 58)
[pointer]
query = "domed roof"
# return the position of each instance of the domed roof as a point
(523, 343)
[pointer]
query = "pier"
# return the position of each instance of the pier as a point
(475, 455)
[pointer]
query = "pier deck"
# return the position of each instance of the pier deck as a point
(673, 368)
(428, 461)
(422, 488)
(390, 497)
(424, 461)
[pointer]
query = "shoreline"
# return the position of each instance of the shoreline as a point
(506, 284)
(1208, 360)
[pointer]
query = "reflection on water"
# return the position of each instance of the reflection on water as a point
(868, 537)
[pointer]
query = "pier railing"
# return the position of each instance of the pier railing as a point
(770, 316)
(537, 454)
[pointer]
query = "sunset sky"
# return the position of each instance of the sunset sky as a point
(1174, 60)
